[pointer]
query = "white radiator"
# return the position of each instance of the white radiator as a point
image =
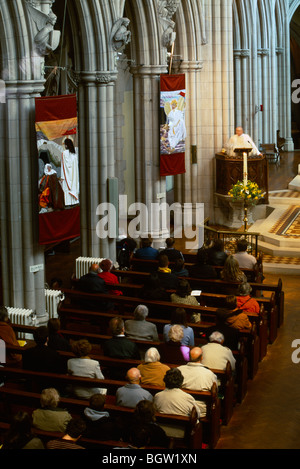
(25, 317)
(83, 264)
(52, 299)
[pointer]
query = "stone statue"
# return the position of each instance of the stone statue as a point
(45, 38)
(120, 36)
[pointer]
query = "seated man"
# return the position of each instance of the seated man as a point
(132, 393)
(215, 355)
(196, 376)
(146, 251)
(168, 280)
(99, 422)
(170, 251)
(119, 346)
(173, 400)
(92, 283)
(139, 328)
(245, 260)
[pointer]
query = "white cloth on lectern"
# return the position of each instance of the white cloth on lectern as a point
(70, 177)
(242, 141)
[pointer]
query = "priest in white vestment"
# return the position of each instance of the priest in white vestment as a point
(241, 140)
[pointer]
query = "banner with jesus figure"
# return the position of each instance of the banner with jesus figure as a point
(58, 183)
(172, 124)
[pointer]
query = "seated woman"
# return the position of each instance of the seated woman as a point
(99, 422)
(50, 417)
(109, 278)
(235, 317)
(183, 294)
(232, 273)
(179, 317)
(139, 328)
(152, 370)
(244, 300)
(84, 366)
(172, 351)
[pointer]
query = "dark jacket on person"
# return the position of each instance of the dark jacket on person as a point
(91, 283)
(43, 358)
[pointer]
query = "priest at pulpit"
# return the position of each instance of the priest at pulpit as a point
(241, 140)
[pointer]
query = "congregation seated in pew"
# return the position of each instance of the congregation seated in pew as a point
(83, 365)
(245, 302)
(132, 392)
(232, 273)
(197, 376)
(138, 327)
(202, 269)
(215, 355)
(7, 334)
(179, 268)
(144, 415)
(245, 260)
(109, 278)
(151, 369)
(168, 280)
(178, 316)
(172, 350)
(216, 255)
(153, 290)
(171, 252)
(20, 434)
(50, 416)
(99, 423)
(183, 294)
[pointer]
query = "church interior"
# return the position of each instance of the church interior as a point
(240, 64)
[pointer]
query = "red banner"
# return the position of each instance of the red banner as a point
(58, 183)
(172, 124)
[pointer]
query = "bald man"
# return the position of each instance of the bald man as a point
(241, 140)
(196, 376)
(91, 283)
(132, 393)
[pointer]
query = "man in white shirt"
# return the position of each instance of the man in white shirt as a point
(215, 355)
(245, 260)
(196, 376)
(241, 140)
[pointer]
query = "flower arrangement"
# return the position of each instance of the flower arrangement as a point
(249, 192)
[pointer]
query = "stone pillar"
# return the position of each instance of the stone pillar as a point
(19, 203)
(150, 187)
(97, 158)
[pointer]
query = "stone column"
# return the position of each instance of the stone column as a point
(19, 204)
(150, 187)
(97, 158)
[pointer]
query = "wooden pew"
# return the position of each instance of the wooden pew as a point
(14, 400)
(162, 307)
(227, 382)
(36, 381)
(147, 265)
(215, 285)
